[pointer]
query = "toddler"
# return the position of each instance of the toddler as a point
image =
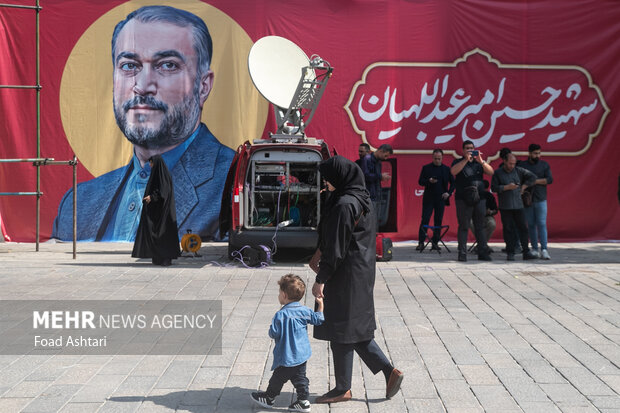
(292, 348)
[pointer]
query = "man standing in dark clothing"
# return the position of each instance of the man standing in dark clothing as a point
(371, 166)
(489, 218)
(536, 214)
(509, 181)
(438, 185)
(362, 151)
(468, 172)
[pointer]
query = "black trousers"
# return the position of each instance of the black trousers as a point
(515, 228)
(428, 207)
(297, 376)
(465, 213)
(369, 352)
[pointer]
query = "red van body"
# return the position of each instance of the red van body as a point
(272, 195)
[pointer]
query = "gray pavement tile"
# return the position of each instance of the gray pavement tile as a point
(116, 366)
(464, 409)
(570, 408)
(460, 348)
(27, 389)
(210, 377)
(500, 360)
(135, 386)
(78, 374)
(226, 359)
(494, 398)
(479, 375)
(612, 381)
(456, 394)
(539, 407)
(80, 408)
(14, 404)
(153, 365)
(442, 367)
(244, 369)
(605, 402)
(565, 393)
(420, 405)
(97, 389)
(586, 382)
(247, 382)
(178, 375)
(556, 355)
(525, 391)
(542, 372)
(52, 399)
(486, 344)
(381, 405)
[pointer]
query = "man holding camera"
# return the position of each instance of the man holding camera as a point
(509, 182)
(438, 185)
(468, 172)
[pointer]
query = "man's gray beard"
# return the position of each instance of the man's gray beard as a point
(178, 123)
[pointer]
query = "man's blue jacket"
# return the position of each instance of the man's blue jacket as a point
(198, 180)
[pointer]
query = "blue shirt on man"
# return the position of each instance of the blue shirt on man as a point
(124, 222)
(289, 328)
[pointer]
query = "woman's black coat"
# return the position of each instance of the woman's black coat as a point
(348, 255)
(157, 235)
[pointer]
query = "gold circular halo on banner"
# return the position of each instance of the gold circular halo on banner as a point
(234, 111)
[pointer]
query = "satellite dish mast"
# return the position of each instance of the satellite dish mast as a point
(290, 81)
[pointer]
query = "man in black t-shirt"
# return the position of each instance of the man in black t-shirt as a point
(468, 172)
(438, 185)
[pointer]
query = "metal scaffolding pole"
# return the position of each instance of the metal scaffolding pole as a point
(38, 161)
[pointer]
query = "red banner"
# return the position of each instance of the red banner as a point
(440, 105)
(416, 75)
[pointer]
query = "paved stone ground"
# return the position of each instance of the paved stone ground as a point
(539, 336)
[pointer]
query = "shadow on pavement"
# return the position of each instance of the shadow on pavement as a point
(200, 401)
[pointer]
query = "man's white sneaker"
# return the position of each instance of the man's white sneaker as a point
(535, 253)
(545, 255)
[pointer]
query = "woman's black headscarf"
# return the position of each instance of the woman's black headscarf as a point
(347, 178)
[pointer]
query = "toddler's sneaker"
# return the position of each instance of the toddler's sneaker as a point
(261, 398)
(300, 406)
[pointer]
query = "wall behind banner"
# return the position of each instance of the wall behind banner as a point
(558, 60)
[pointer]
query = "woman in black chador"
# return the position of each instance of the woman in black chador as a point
(346, 278)
(157, 235)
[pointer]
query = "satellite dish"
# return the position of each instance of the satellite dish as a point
(275, 64)
(284, 75)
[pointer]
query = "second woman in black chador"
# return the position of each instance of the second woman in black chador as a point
(346, 278)
(157, 236)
